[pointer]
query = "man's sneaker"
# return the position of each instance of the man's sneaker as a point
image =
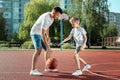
(51, 70)
(77, 73)
(86, 67)
(35, 72)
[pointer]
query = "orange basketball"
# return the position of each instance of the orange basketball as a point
(52, 63)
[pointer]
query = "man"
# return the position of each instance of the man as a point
(40, 37)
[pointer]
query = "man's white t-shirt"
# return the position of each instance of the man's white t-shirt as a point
(78, 35)
(43, 22)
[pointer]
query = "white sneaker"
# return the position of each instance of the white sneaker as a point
(35, 72)
(86, 67)
(77, 73)
(51, 70)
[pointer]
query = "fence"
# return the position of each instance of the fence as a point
(111, 41)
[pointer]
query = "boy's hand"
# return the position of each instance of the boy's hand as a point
(60, 44)
(83, 47)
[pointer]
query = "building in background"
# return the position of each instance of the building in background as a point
(115, 18)
(13, 12)
(65, 4)
(1, 6)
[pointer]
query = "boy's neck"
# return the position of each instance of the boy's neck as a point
(77, 26)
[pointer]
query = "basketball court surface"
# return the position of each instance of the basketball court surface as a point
(15, 65)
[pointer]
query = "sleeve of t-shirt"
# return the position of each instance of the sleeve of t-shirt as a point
(84, 31)
(43, 23)
(72, 32)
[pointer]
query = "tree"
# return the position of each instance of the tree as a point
(2, 28)
(111, 30)
(94, 19)
(33, 10)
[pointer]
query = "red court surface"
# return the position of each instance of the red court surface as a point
(15, 65)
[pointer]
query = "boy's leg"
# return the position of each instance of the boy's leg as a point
(81, 59)
(77, 61)
(78, 71)
(87, 66)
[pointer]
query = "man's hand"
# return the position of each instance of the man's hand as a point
(49, 49)
(48, 40)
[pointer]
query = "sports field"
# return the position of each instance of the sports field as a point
(15, 65)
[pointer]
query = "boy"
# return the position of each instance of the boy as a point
(40, 37)
(79, 35)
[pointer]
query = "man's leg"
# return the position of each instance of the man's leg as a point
(36, 41)
(46, 55)
(35, 58)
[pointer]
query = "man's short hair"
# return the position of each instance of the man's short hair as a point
(58, 9)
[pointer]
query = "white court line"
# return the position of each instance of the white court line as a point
(109, 71)
(105, 63)
(109, 77)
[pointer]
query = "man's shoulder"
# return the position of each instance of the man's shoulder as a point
(45, 14)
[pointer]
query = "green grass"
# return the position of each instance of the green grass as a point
(17, 48)
(11, 48)
(113, 46)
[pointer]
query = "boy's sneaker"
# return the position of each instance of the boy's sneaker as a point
(35, 72)
(86, 67)
(77, 73)
(51, 70)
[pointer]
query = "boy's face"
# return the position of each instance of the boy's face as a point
(56, 15)
(74, 24)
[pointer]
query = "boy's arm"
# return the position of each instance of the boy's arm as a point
(68, 38)
(85, 40)
(84, 43)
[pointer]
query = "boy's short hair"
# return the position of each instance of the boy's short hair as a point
(75, 19)
(58, 9)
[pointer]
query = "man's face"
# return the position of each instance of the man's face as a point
(56, 15)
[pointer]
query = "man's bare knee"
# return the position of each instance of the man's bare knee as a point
(38, 51)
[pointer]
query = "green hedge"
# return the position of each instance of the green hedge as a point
(67, 46)
(27, 45)
(3, 44)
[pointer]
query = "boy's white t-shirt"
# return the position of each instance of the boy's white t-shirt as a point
(43, 22)
(78, 35)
